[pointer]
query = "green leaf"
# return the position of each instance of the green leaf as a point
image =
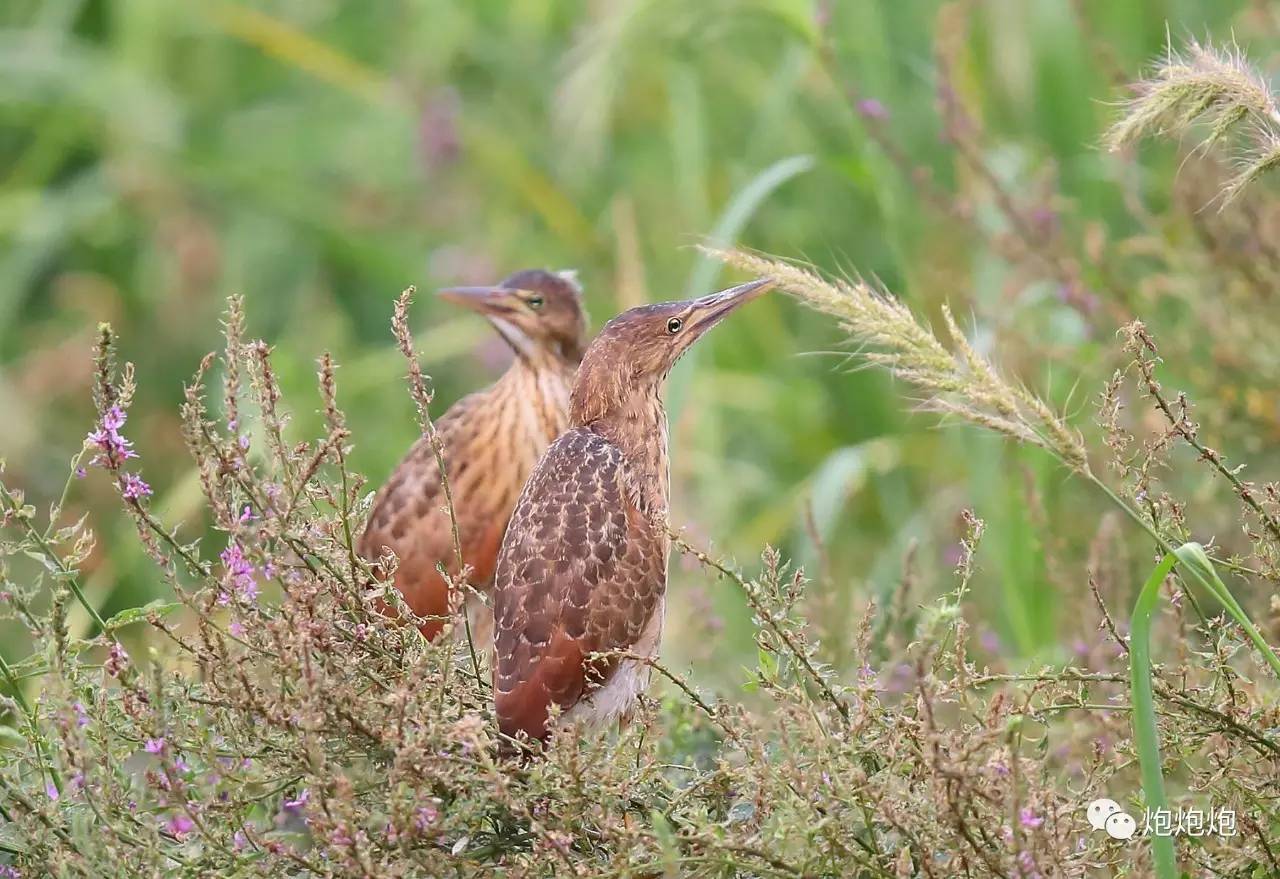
(132, 615)
(768, 664)
(11, 738)
(667, 840)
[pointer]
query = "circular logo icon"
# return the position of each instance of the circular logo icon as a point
(1120, 825)
(1099, 811)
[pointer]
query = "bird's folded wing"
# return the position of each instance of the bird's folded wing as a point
(581, 571)
(409, 517)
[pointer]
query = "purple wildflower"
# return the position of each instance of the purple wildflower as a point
(114, 448)
(51, 791)
(425, 817)
(82, 716)
(239, 841)
(240, 572)
(1029, 819)
(113, 418)
(154, 746)
(296, 806)
(244, 442)
(117, 660)
(7, 872)
(439, 138)
(870, 108)
(236, 629)
(246, 515)
(132, 487)
(180, 825)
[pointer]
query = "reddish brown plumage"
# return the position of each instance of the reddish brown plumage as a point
(492, 439)
(583, 566)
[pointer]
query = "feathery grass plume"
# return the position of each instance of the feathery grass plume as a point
(957, 381)
(1214, 85)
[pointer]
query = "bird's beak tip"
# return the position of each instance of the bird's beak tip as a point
(760, 285)
(746, 292)
(474, 298)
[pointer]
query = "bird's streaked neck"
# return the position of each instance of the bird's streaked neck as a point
(539, 388)
(637, 426)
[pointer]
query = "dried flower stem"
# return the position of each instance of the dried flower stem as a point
(422, 397)
(749, 592)
(1182, 426)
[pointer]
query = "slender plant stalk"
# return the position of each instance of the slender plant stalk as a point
(422, 400)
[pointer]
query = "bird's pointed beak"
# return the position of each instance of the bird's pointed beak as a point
(707, 311)
(485, 300)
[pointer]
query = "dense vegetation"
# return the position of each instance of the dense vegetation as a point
(902, 620)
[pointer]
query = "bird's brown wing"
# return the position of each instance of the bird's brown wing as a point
(582, 570)
(408, 516)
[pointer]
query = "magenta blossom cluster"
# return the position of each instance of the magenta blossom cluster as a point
(113, 450)
(241, 576)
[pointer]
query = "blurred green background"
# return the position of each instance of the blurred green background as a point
(319, 156)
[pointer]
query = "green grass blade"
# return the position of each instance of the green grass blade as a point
(1196, 563)
(739, 211)
(1145, 734)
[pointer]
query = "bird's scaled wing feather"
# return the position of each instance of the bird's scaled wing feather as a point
(408, 517)
(581, 571)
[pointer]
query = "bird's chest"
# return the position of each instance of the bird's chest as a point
(494, 458)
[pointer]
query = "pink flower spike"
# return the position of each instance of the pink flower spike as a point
(133, 487)
(113, 418)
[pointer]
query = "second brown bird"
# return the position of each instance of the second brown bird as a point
(582, 578)
(492, 440)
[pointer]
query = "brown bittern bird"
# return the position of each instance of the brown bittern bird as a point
(492, 439)
(582, 575)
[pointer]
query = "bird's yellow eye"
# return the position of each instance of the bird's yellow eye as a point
(534, 302)
(674, 325)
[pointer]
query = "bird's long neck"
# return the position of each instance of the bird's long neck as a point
(534, 394)
(638, 427)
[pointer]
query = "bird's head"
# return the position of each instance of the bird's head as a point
(635, 351)
(539, 313)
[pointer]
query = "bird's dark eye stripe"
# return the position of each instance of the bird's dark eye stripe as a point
(674, 325)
